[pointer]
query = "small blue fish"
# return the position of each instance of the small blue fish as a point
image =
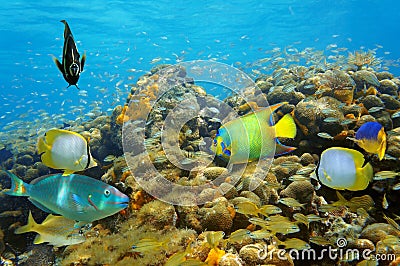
(371, 137)
(76, 197)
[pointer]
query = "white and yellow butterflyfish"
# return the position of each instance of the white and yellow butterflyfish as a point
(67, 150)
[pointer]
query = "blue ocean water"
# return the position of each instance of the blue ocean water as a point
(125, 39)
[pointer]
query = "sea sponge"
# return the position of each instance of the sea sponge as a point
(306, 159)
(370, 101)
(228, 190)
(189, 218)
(261, 253)
(378, 231)
(250, 254)
(157, 213)
(214, 172)
(365, 77)
(139, 199)
(302, 191)
(388, 87)
(230, 259)
(217, 217)
(338, 84)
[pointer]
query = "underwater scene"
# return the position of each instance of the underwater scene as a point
(200, 133)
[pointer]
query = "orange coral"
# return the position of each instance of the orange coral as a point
(232, 211)
(214, 256)
(140, 106)
(350, 116)
(251, 227)
(342, 135)
(125, 175)
(395, 262)
(139, 199)
(122, 118)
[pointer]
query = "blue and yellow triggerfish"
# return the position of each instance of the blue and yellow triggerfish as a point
(66, 150)
(77, 197)
(342, 168)
(371, 137)
(254, 136)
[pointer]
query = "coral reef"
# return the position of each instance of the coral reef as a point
(241, 212)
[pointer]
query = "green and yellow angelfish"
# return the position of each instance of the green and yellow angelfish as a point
(254, 136)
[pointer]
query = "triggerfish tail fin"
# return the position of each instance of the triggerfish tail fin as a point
(282, 149)
(29, 227)
(286, 127)
(18, 187)
(382, 147)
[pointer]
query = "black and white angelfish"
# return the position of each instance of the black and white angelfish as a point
(70, 67)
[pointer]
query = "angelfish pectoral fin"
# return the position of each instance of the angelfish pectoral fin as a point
(83, 60)
(58, 64)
